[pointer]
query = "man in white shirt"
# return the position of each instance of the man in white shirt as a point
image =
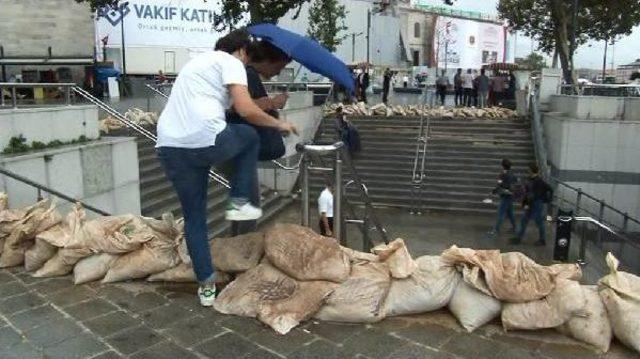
(325, 209)
(467, 86)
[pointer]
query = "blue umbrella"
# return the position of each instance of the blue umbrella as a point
(307, 52)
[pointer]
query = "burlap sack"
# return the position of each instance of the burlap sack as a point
(594, 328)
(397, 257)
(620, 293)
(473, 308)
(305, 255)
(183, 272)
(4, 201)
(62, 262)
(36, 256)
(359, 257)
(570, 271)
(237, 254)
(429, 288)
(93, 268)
(111, 234)
(510, 277)
(361, 298)
(274, 298)
(565, 301)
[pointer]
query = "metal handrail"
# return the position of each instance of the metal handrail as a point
(13, 86)
(40, 188)
(141, 130)
(420, 158)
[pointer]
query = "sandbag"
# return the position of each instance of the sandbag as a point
(183, 272)
(510, 277)
(111, 234)
(429, 288)
(473, 308)
(61, 263)
(571, 271)
(594, 328)
(565, 301)
(274, 298)
(305, 255)
(93, 268)
(155, 256)
(239, 253)
(36, 256)
(396, 255)
(360, 299)
(4, 201)
(358, 257)
(620, 293)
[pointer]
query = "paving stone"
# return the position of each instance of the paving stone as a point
(392, 324)
(229, 345)
(71, 296)
(15, 270)
(81, 346)
(53, 332)
(35, 317)
(373, 343)
(20, 302)
(132, 302)
(190, 302)
(282, 344)
(90, 309)
(165, 316)
(619, 351)
(243, 325)
(415, 351)
(335, 332)
(52, 285)
(27, 278)
(428, 334)
(520, 353)
(262, 354)
(567, 351)
(6, 277)
(11, 289)
(194, 330)
(109, 355)
(468, 345)
(22, 350)
(134, 339)
(319, 349)
(164, 350)
(111, 323)
(9, 337)
(2, 322)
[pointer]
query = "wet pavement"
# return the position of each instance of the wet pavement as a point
(52, 318)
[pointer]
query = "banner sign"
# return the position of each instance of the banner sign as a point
(467, 44)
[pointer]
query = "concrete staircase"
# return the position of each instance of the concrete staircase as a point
(463, 160)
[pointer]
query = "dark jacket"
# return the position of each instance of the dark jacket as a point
(349, 135)
(506, 184)
(537, 189)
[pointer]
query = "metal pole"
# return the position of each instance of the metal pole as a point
(337, 199)
(4, 69)
(275, 180)
(14, 97)
(124, 57)
(304, 179)
(578, 200)
(601, 219)
(67, 95)
(353, 47)
(625, 223)
(368, 33)
(573, 34)
(604, 61)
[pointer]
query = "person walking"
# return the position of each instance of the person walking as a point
(193, 136)
(405, 81)
(483, 89)
(458, 88)
(442, 84)
(504, 189)
(537, 194)
(498, 86)
(467, 85)
(364, 84)
(386, 85)
(325, 211)
(475, 88)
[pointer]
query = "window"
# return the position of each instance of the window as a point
(416, 57)
(416, 30)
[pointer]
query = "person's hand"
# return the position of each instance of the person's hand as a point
(279, 101)
(287, 128)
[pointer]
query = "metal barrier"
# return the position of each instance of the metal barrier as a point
(420, 157)
(613, 90)
(312, 153)
(41, 188)
(11, 88)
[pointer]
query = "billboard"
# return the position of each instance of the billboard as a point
(465, 43)
(162, 23)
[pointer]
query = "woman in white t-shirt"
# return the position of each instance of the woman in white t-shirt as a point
(193, 136)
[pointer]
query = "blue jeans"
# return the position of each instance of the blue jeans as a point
(505, 209)
(536, 211)
(188, 168)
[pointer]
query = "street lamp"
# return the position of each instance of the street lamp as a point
(124, 57)
(353, 44)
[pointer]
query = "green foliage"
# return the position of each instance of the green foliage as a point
(635, 76)
(326, 21)
(533, 62)
(19, 144)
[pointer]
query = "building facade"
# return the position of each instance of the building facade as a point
(624, 72)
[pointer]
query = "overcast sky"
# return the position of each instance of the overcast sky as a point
(626, 49)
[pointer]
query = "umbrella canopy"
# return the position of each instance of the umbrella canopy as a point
(307, 52)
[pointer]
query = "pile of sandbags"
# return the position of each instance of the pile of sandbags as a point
(134, 115)
(361, 109)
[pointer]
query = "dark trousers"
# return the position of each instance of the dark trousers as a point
(188, 168)
(442, 92)
(505, 210)
(535, 212)
(385, 94)
(459, 96)
(468, 97)
(322, 231)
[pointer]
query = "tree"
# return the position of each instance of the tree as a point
(233, 12)
(533, 62)
(326, 21)
(550, 23)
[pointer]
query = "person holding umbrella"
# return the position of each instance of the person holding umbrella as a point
(193, 136)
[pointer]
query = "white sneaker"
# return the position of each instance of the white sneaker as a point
(207, 295)
(246, 212)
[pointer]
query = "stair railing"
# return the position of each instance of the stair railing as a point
(40, 188)
(136, 127)
(420, 158)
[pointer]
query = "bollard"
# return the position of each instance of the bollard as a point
(563, 236)
(337, 201)
(304, 179)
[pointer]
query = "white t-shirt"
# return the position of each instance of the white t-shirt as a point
(325, 203)
(195, 112)
(467, 81)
